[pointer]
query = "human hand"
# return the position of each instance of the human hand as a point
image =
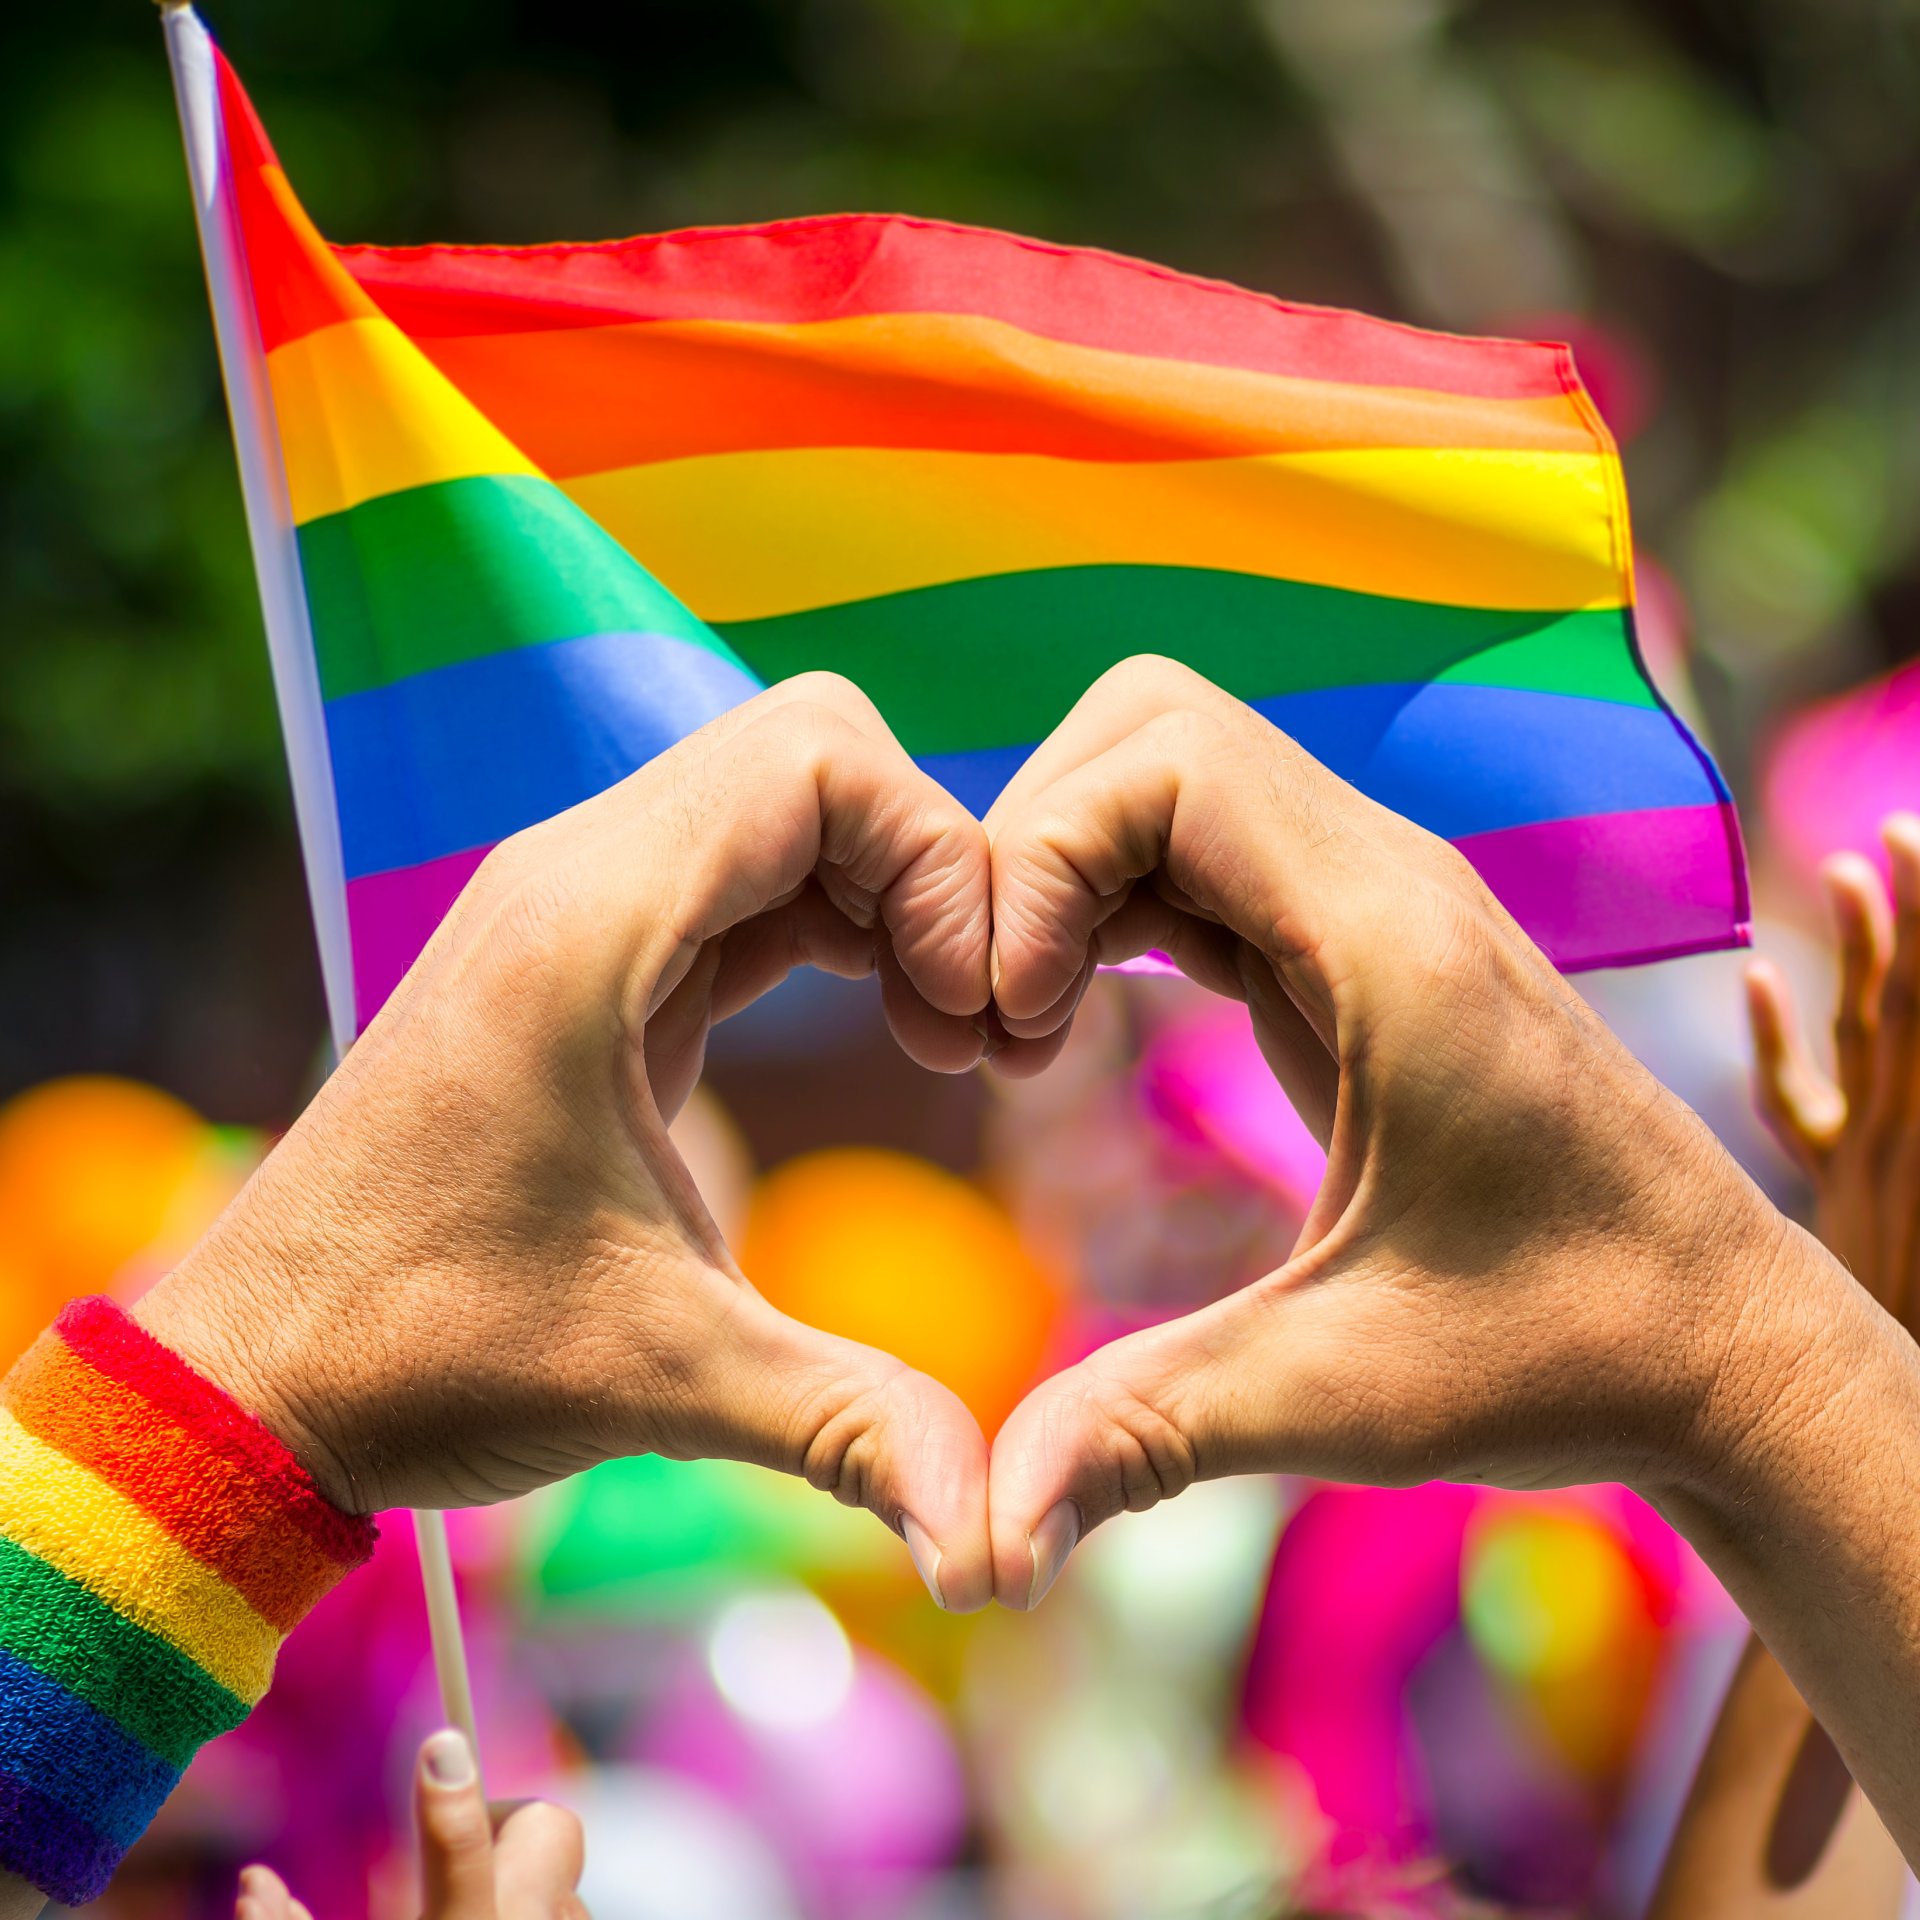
(476, 1263)
(1856, 1136)
(1528, 1261)
(521, 1861)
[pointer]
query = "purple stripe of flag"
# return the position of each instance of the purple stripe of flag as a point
(391, 916)
(1601, 890)
(1613, 889)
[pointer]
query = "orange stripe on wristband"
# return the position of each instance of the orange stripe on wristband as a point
(209, 1502)
(80, 1526)
(122, 1350)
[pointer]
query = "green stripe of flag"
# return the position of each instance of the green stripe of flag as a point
(996, 662)
(437, 575)
(469, 568)
(62, 1629)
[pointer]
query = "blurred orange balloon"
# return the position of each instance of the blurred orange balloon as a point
(25, 1307)
(93, 1174)
(886, 1249)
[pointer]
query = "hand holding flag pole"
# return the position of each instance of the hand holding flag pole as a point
(276, 557)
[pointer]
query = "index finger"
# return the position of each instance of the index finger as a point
(733, 820)
(1123, 698)
(1158, 769)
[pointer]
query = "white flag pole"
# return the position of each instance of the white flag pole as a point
(296, 675)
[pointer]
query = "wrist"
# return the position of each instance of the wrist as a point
(236, 1316)
(1795, 1342)
(157, 1545)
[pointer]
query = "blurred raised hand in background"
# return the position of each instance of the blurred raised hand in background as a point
(519, 1861)
(1773, 1825)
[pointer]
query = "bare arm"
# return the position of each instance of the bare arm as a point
(1773, 1825)
(1773, 1829)
(477, 1262)
(1528, 1263)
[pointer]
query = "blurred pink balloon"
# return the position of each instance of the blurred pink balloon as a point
(1365, 1589)
(864, 1806)
(1365, 1584)
(1835, 770)
(1620, 377)
(1662, 623)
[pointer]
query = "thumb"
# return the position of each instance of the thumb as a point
(456, 1835)
(872, 1431)
(538, 1858)
(1225, 1390)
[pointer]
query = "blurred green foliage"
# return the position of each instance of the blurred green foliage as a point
(1727, 188)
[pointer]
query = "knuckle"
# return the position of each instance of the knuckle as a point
(843, 1446)
(808, 727)
(1151, 676)
(823, 687)
(1185, 733)
(1147, 1455)
(831, 693)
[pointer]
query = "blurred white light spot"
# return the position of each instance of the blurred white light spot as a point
(1100, 1772)
(1184, 1580)
(661, 1848)
(781, 1660)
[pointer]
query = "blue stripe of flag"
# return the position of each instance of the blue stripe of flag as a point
(469, 754)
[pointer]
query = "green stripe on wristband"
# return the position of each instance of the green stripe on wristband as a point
(151, 1688)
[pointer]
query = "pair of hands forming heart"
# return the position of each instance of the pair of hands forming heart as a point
(476, 1264)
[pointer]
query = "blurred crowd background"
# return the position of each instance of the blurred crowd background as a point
(1271, 1697)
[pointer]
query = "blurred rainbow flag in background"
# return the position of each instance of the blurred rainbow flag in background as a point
(526, 516)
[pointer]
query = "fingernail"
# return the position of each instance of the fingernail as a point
(926, 1556)
(448, 1759)
(993, 966)
(1050, 1542)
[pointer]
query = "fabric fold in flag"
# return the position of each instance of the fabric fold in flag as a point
(557, 506)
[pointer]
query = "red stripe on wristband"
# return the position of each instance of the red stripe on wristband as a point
(115, 1346)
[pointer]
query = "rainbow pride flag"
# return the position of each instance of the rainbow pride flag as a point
(538, 512)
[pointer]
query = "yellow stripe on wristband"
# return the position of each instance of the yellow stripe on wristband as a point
(79, 1525)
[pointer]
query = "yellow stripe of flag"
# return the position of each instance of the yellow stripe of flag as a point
(363, 412)
(749, 535)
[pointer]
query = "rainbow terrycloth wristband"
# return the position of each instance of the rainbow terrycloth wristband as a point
(157, 1544)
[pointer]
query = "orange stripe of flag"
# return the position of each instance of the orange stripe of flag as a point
(587, 400)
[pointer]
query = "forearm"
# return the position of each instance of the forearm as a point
(1773, 1828)
(1804, 1506)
